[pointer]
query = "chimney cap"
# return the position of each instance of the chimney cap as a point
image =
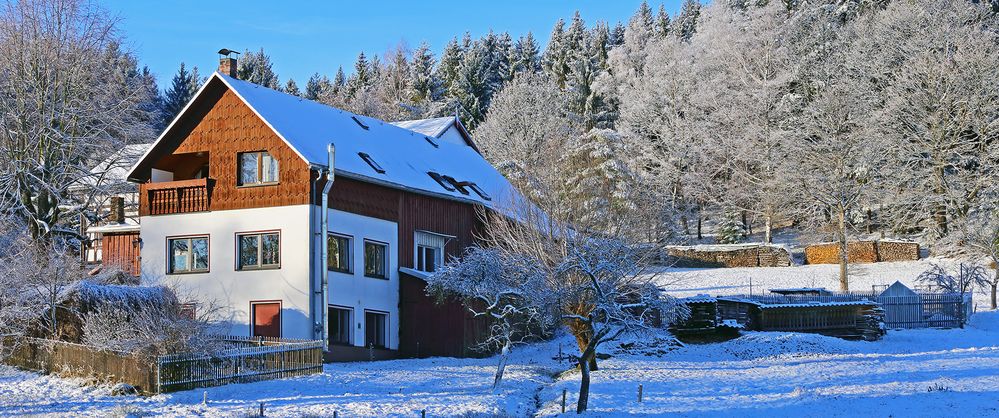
(227, 51)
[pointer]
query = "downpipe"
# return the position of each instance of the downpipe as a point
(324, 232)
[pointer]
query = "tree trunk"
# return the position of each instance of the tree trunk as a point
(768, 226)
(584, 378)
(583, 340)
(700, 224)
(504, 356)
(995, 284)
(844, 284)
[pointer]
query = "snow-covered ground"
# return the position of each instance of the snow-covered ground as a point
(683, 282)
(911, 373)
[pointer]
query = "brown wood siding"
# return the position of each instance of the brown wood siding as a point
(121, 251)
(227, 129)
(426, 328)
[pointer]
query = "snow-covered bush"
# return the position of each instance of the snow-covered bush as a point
(730, 231)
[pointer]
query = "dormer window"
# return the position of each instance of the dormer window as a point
(257, 168)
(371, 161)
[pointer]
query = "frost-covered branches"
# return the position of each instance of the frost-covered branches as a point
(963, 281)
(69, 95)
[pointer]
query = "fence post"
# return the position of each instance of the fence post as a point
(261, 409)
(563, 400)
(639, 393)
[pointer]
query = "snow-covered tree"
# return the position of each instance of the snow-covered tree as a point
(84, 99)
(182, 88)
(508, 290)
(686, 22)
(525, 57)
(424, 86)
(256, 68)
(291, 87)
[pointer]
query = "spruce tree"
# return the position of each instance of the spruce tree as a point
(256, 68)
(471, 85)
(314, 85)
(292, 88)
(600, 45)
(424, 87)
(525, 55)
(447, 71)
(504, 57)
(361, 77)
(616, 35)
(662, 22)
(182, 88)
(339, 85)
(686, 21)
(554, 59)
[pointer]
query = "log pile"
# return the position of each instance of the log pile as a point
(862, 252)
(735, 255)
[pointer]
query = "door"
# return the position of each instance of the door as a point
(266, 319)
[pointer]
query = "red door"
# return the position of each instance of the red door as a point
(266, 319)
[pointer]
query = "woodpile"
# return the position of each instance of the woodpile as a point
(863, 252)
(898, 251)
(730, 255)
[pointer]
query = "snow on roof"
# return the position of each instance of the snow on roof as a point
(699, 299)
(372, 150)
(116, 167)
(433, 127)
(809, 304)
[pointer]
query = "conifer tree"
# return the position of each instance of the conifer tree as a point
(554, 59)
(292, 88)
(424, 86)
(662, 22)
(361, 77)
(447, 71)
(314, 86)
(686, 21)
(182, 88)
(525, 55)
(339, 81)
(255, 67)
(616, 35)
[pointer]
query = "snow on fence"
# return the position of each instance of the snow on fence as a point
(252, 359)
(248, 359)
(913, 310)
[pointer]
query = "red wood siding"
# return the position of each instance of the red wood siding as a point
(425, 327)
(121, 251)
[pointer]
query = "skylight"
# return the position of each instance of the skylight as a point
(441, 181)
(459, 185)
(478, 190)
(367, 158)
(359, 123)
(432, 141)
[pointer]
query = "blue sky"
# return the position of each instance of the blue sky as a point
(307, 37)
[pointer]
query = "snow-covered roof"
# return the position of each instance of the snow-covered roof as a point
(433, 127)
(403, 157)
(817, 304)
(112, 228)
(116, 167)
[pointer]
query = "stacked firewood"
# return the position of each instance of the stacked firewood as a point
(898, 251)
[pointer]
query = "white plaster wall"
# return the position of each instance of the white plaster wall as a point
(357, 291)
(453, 136)
(223, 283)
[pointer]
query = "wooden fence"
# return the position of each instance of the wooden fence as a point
(248, 359)
(921, 310)
(251, 359)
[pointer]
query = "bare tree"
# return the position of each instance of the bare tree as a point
(963, 282)
(68, 97)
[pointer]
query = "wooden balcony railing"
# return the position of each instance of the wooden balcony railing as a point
(181, 196)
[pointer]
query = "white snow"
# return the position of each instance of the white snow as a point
(910, 373)
(431, 127)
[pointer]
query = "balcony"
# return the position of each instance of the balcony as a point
(170, 197)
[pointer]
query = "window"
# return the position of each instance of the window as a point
(440, 180)
(429, 250)
(188, 254)
(339, 325)
(371, 161)
(426, 259)
(259, 251)
(374, 259)
(257, 168)
(359, 123)
(375, 329)
(188, 311)
(478, 190)
(338, 253)
(431, 141)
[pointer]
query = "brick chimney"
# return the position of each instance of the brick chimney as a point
(117, 210)
(227, 62)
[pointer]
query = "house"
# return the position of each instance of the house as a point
(116, 230)
(237, 203)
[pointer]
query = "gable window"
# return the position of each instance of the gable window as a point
(429, 251)
(188, 254)
(259, 251)
(338, 252)
(375, 262)
(375, 329)
(339, 325)
(257, 168)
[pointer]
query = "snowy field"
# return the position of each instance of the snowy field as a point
(683, 282)
(914, 373)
